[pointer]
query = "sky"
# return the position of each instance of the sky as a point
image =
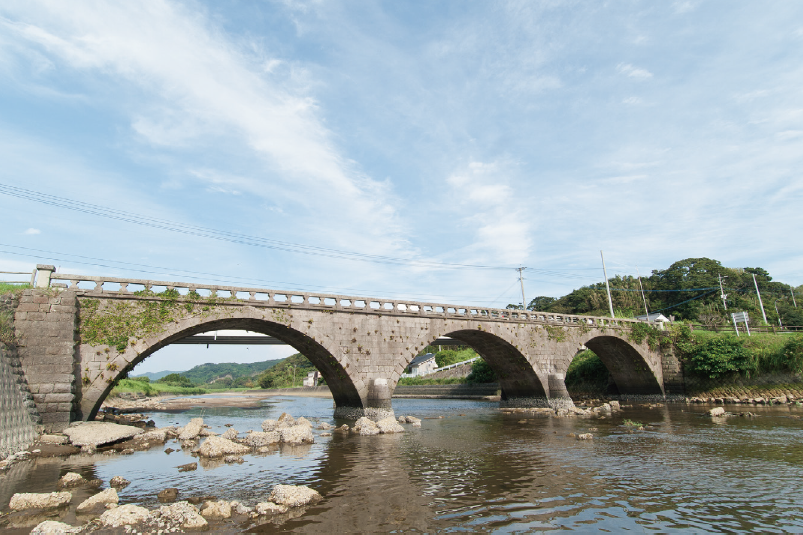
(408, 150)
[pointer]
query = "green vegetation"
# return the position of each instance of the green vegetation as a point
(139, 386)
(714, 356)
(176, 379)
(415, 381)
(281, 374)
(587, 372)
(121, 322)
(481, 372)
(631, 423)
(7, 329)
(453, 356)
(6, 288)
(229, 373)
(689, 290)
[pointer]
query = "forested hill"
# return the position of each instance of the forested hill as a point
(689, 290)
(206, 373)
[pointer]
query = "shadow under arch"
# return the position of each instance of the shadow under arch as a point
(629, 369)
(518, 380)
(344, 392)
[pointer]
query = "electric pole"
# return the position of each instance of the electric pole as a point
(759, 300)
(646, 311)
(521, 281)
(722, 292)
(792, 291)
(605, 272)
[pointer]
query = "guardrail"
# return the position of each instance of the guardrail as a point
(31, 281)
(140, 288)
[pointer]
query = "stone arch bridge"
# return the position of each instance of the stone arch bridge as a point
(77, 334)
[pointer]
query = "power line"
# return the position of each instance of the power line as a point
(194, 275)
(244, 239)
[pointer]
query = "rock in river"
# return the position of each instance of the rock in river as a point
(717, 411)
(192, 429)
(51, 527)
(94, 434)
(389, 425)
(97, 503)
(218, 447)
(30, 500)
(182, 515)
(125, 515)
(294, 495)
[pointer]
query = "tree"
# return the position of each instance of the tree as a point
(176, 379)
(541, 303)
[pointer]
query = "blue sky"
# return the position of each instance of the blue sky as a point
(500, 134)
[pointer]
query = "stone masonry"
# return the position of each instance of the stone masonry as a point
(361, 346)
(45, 323)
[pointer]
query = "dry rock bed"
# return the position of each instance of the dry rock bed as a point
(95, 505)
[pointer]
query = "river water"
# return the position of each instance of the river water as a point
(478, 469)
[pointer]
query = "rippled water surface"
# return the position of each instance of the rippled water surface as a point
(477, 469)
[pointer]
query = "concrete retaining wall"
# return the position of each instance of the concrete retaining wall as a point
(446, 391)
(17, 410)
(457, 371)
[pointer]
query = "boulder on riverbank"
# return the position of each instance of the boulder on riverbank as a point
(94, 434)
(216, 510)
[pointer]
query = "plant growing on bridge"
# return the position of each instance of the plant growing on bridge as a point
(117, 323)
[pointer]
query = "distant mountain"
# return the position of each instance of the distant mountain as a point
(155, 376)
(206, 373)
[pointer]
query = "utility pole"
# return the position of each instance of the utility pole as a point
(646, 311)
(521, 281)
(722, 292)
(792, 291)
(607, 286)
(779, 314)
(759, 299)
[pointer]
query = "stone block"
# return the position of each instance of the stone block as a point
(66, 407)
(62, 388)
(58, 398)
(28, 307)
(36, 316)
(56, 417)
(40, 299)
(44, 389)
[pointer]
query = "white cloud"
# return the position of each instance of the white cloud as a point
(198, 87)
(632, 100)
(498, 214)
(633, 72)
(32, 231)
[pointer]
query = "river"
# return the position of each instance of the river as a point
(478, 469)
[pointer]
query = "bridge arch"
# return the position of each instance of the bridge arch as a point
(635, 371)
(346, 395)
(520, 383)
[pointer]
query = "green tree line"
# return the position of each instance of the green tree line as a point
(688, 290)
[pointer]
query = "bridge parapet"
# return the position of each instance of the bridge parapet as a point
(111, 287)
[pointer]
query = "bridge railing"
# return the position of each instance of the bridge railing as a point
(112, 286)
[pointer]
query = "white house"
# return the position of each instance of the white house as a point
(312, 378)
(653, 317)
(422, 365)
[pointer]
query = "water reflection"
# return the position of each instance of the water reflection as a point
(481, 470)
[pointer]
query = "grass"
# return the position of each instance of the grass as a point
(153, 389)
(631, 423)
(416, 381)
(6, 288)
